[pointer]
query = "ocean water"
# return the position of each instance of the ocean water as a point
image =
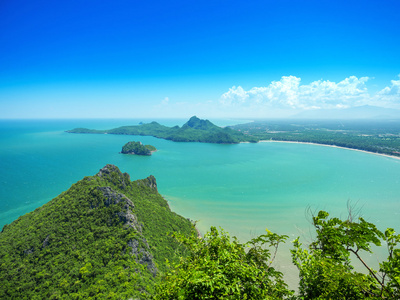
(243, 188)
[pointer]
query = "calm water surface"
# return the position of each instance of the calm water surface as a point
(243, 188)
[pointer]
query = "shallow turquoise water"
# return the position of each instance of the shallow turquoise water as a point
(244, 188)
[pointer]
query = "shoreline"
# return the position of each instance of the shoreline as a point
(332, 146)
(199, 235)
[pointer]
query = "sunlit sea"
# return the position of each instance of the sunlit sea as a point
(243, 188)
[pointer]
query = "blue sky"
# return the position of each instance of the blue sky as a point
(110, 59)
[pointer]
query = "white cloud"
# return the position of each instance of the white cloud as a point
(288, 93)
(284, 98)
(392, 93)
(235, 94)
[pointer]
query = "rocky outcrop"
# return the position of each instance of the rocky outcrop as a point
(126, 215)
(46, 241)
(139, 249)
(113, 174)
(149, 182)
(142, 254)
(29, 251)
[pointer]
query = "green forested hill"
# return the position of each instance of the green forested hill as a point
(195, 130)
(137, 148)
(105, 238)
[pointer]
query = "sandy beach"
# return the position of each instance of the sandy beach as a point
(332, 146)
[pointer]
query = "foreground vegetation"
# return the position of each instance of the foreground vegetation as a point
(222, 268)
(379, 136)
(194, 130)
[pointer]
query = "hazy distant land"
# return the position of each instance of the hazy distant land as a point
(377, 136)
(373, 135)
(194, 130)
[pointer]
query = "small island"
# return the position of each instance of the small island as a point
(137, 148)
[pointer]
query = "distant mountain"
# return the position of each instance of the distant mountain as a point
(107, 237)
(194, 130)
(357, 112)
(196, 123)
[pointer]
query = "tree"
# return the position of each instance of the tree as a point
(217, 267)
(326, 271)
(220, 268)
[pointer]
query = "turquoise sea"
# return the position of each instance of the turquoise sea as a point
(243, 188)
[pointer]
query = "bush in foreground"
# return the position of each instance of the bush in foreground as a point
(218, 267)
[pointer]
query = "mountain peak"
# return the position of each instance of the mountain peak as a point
(196, 123)
(108, 169)
(112, 174)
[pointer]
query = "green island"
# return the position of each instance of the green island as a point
(194, 130)
(377, 136)
(108, 237)
(137, 148)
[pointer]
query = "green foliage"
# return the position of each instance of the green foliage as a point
(326, 270)
(137, 148)
(195, 130)
(108, 237)
(80, 245)
(150, 147)
(220, 268)
(324, 278)
(391, 267)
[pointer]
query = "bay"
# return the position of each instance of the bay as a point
(243, 188)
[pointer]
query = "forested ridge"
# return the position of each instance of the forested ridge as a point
(105, 238)
(194, 130)
(378, 136)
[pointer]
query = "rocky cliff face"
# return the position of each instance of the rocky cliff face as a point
(149, 182)
(112, 174)
(139, 246)
(125, 215)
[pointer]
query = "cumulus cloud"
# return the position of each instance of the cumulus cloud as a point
(289, 93)
(234, 95)
(391, 94)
